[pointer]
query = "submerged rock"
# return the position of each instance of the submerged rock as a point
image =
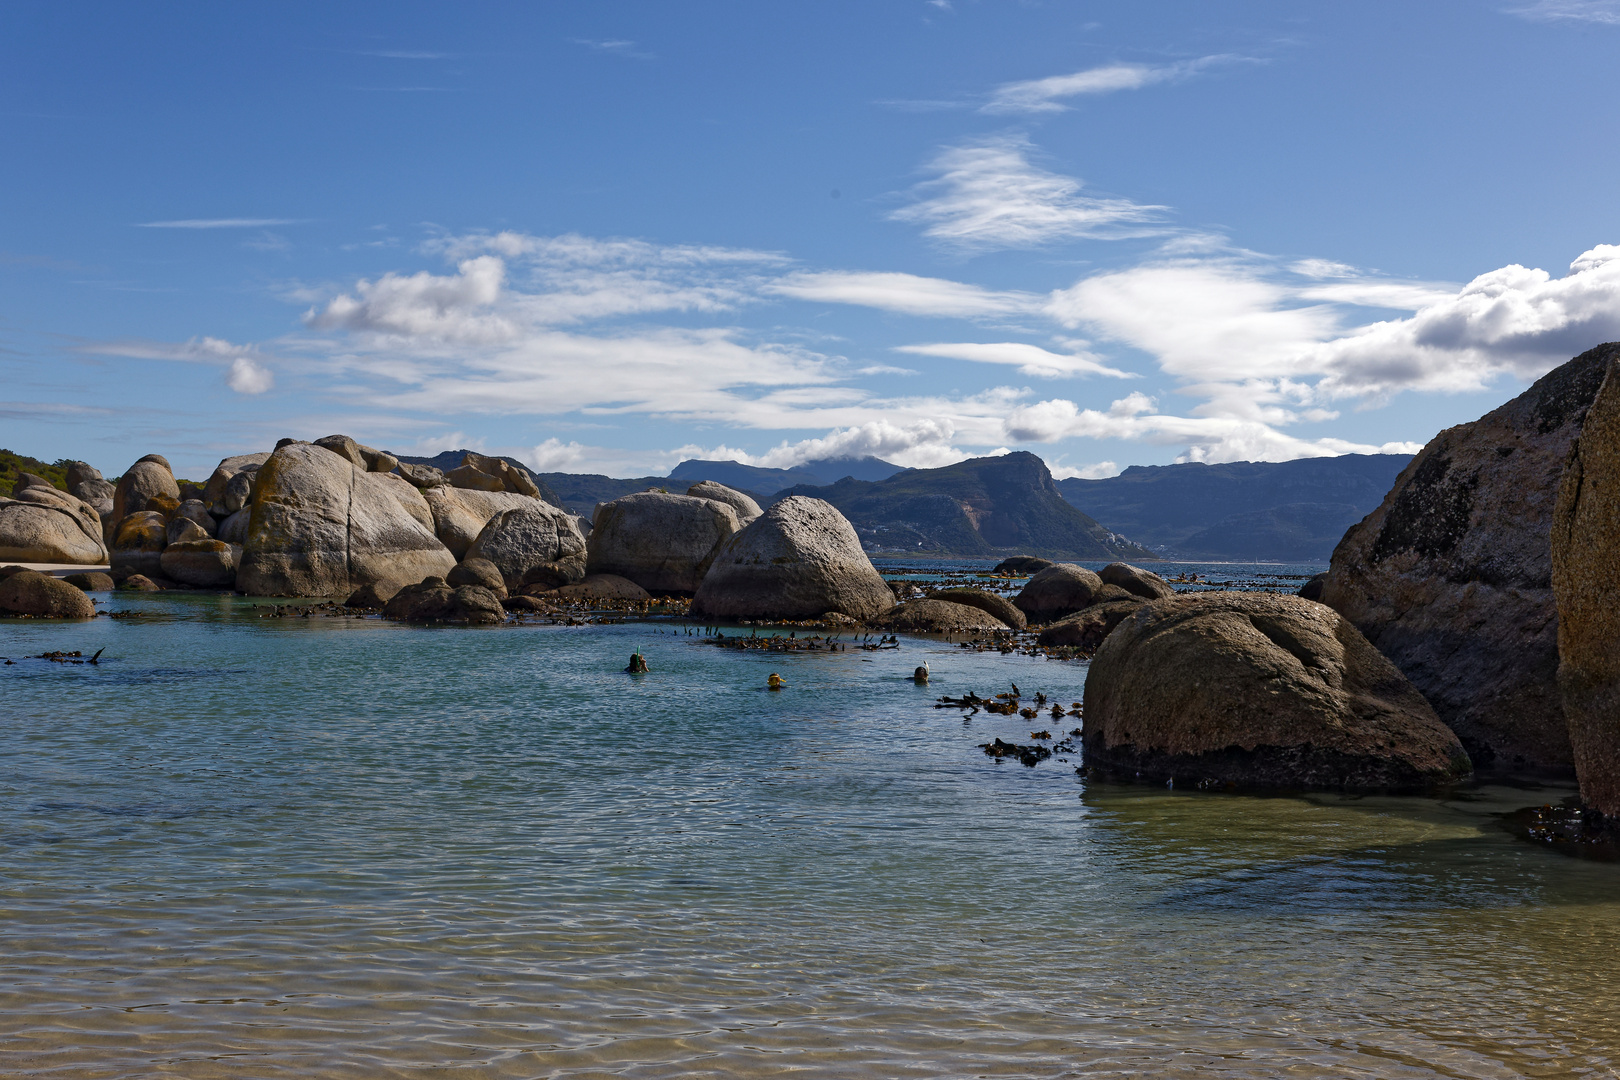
(1087, 629)
(90, 581)
(1451, 577)
(662, 542)
(988, 602)
(1019, 565)
(1058, 590)
(1586, 582)
(1259, 690)
(41, 596)
(434, 600)
(604, 587)
(937, 616)
(801, 558)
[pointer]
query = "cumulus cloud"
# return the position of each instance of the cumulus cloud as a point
(248, 377)
(904, 293)
(554, 455)
(454, 308)
(1514, 320)
(1046, 95)
(1100, 471)
(989, 195)
(1029, 359)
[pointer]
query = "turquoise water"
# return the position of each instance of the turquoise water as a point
(244, 847)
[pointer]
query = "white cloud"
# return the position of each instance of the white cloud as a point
(247, 377)
(1605, 12)
(449, 308)
(1514, 320)
(219, 223)
(1100, 471)
(988, 195)
(1045, 95)
(905, 293)
(554, 455)
(1029, 359)
(1205, 438)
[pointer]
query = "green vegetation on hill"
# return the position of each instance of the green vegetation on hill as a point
(980, 508)
(12, 464)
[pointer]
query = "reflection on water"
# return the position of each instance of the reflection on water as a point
(344, 848)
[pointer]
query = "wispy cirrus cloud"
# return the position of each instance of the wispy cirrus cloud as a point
(1047, 95)
(246, 370)
(220, 223)
(988, 195)
(616, 46)
(1603, 12)
(1028, 359)
(909, 294)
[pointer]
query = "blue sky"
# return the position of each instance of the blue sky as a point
(605, 237)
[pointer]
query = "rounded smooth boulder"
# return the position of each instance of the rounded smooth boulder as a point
(146, 480)
(747, 509)
(435, 601)
(1136, 581)
(800, 559)
(528, 540)
(41, 524)
(41, 596)
(1088, 628)
(935, 616)
(1259, 690)
(200, 564)
(664, 543)
(322, 526)
(989, 602)
(1059, 590)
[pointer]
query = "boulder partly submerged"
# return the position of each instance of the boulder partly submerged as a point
(800, 559)
(1586, 582)
(41, 596)
(998, 606)
(664, 543)
(1087, 629)
(435, 601)
(932, 615)
(321, 526)
(1259, 690)
(1059, 590)
(1451, 577)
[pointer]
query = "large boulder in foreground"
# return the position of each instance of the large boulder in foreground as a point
(1586, 582)
(988, 602)
(934, 616)
(799, 560)
(530, 540)
(40, 596)
(1259, 690)
(1059, 590)
(43, 525)
(1451, 577)
(322, 526)
(664, 543)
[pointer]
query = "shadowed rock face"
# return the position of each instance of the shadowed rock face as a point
(933, 615)
(323, 527)
(1259, 690)
(1057, 591)
(662, 542)
(800, 559)
(41, 596)
(1586, 581)
(988, 602)
(1451, 577)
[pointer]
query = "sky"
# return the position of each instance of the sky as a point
(607, 237)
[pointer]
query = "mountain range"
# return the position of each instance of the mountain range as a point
(1286, 511)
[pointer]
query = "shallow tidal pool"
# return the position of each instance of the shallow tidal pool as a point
(245, 847)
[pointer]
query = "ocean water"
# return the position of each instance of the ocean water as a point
(266, 848)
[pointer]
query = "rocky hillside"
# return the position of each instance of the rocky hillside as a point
(1288, 511)
(980, 508)
(766, 482)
